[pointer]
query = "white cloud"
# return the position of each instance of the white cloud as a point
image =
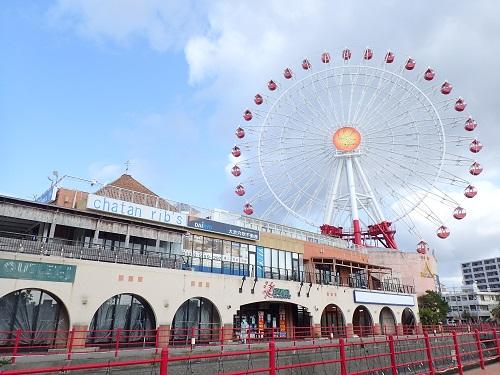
(163, 24)
(233, 48)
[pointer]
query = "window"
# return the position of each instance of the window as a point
(217, 254)
(235, 253)
(197, 249)
(208, 244)
(274, 258)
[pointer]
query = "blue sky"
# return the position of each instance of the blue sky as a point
(86, 85)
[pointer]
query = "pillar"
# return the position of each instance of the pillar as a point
(163, 335)
(420, 329)
(227, 334)
(317, 330)
(349, 330)
(377, 330)
(79, 337)
(399, 329)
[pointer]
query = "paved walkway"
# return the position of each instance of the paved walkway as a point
(493, 369)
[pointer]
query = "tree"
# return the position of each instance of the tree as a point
(432, 308)
(496, 312)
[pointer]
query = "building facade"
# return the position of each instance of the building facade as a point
(485, 273)
(470, 305)
(411, 268)
(123, 258)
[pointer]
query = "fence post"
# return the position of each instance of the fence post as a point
(393, 355)
(457, 353)
(428, 350)
(343, 362)
(71, 340)
(164, 362)
(479, 348)
(497, 343)
(272, 358)
(117, 343)
(16, 345)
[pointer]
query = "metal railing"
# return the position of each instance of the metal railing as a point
(36, 245)
(424, 354)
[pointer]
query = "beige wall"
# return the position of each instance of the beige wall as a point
(167, 289)
(411, 268)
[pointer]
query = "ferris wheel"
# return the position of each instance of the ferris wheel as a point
(355, 144)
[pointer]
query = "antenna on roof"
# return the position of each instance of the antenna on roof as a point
(128, 163)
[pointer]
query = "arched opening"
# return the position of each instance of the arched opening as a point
(272, 319)
(387, 321)
(126, 318)
(196, 318)
(408, 321)
(362, 322)
(40, 317)
(332, 322)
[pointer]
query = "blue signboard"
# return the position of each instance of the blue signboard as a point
(19, 269)
(218, 227)
(260, 261)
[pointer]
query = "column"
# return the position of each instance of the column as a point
(349, 330)
(163, 335)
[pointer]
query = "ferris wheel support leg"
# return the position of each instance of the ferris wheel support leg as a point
(354, 201)
(333, 194)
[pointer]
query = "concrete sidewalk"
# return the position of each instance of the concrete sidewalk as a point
(493, 369)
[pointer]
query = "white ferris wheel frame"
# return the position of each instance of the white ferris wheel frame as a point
(349, 162)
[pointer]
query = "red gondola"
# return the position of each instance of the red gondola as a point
(271, 85)
(429, 74)
(240, 133)
(446, 88)
(470, 191)
(422, 247)
(368, 54)
(325, 57)
(410, 64)
(240, 190)
(470, 124)
(236, 152)
(389, 57)
(236, 171)
(443, 232)
(346, 54)
(460, 105)
(475, 169)
(247, 115)
(459, 213)
(288, 73)
(248, 209)
(258, 99)
(306, 65)
(475, 146)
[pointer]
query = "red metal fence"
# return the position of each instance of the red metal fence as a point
(38, 343)
(424, 354)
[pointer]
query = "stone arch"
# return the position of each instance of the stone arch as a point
(126, 317)
(332, 321)
(198, 318)
(387, 321)
(362, 321)
(40, 315)
(408, 321)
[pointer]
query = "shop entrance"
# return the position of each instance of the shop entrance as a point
(264, 320)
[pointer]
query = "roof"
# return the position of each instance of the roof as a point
(127, 182)
(127, 188)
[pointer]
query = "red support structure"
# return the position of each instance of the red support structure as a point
(16, 345)
(117, 342)
(428, 350)
(393, 355)
(272, 358)
(357, 232)
(164, 362)
(496, 341)
(479, 348)
(457, 354)
(70, 343)
(343, 365)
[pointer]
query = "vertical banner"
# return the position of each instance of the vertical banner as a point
(261, 323)
(282, 322)
(260, 261)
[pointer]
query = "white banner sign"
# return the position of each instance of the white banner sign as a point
(383, 298)
(138, 211)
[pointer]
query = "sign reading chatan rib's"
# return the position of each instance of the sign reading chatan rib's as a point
(18, 269)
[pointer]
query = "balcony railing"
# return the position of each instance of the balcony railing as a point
(36, 245)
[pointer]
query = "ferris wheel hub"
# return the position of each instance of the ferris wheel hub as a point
(346, 138)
